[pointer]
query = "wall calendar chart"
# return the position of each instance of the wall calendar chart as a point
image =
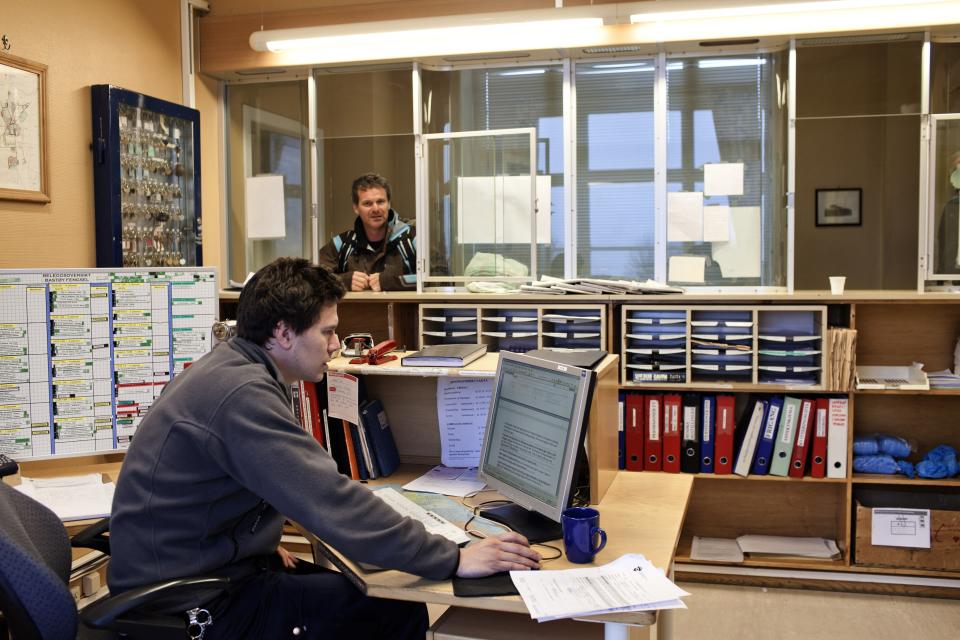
(84, 352)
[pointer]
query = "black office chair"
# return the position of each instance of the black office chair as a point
(35, 567)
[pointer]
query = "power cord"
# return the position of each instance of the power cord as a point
(475, 515)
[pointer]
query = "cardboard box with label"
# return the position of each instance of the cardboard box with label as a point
(943, 554)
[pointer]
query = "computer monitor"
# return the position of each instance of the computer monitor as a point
(533, 443)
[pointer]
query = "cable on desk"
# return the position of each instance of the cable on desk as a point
(480, 534)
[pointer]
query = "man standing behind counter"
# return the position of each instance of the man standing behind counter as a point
(379, 253)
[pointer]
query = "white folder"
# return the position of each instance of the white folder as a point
(837, 418)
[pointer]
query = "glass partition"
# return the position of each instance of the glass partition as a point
(945, 196)
(484, 206)
(726, 164)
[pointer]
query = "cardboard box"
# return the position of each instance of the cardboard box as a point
(943, 554)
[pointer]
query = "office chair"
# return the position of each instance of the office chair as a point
(35, 564)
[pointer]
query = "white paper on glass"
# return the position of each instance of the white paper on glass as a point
(716, 223)
(900, 528)
(685, 216)
(496, 209)
(342, 397)
(740, 256)
(687, 269)
(723, 179)
(462, 407)
(264, 207)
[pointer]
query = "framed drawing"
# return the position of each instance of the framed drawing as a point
(838, 207)
(23, 118)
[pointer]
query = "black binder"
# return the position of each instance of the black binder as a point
(690, 434)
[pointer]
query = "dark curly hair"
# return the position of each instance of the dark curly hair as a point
(370, 181)
(288, 289)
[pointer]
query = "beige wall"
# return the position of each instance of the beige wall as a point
(134, 44)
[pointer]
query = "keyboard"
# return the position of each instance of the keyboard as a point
(433, 522)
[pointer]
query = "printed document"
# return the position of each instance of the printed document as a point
(629, 583)
(892, 527)
(462, 407)
(71, 497)
(449, 481)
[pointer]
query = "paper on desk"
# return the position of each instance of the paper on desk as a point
(71, 497)
(462, 406)
(450, 481)
(789, 546)
(629, 583)
(715, 550)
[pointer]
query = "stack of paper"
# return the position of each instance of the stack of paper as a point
(945, 379)
(551, 285)
(842, 347)
(629, 583)
(733, 549)
(71, 497)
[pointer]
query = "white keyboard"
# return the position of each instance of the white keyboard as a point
(431, 521)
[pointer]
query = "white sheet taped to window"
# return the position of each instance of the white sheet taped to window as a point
(496, 209)
(740, 257)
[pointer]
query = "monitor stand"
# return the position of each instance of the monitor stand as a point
(533, 526)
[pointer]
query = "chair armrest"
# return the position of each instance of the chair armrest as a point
(104, 614)
(93, 537)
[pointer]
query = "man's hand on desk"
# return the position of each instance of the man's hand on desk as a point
(504, 552)
(374, 281)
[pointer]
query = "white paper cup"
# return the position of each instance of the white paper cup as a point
(836, 284)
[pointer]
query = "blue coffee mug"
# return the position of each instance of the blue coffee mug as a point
(582, 536)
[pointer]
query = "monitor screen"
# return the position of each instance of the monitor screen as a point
(534, 431)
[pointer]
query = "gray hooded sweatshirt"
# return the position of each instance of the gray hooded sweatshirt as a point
(218, 462)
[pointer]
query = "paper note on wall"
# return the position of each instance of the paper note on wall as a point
(496, 209)
(716, 223)
(740, 256)
(684, 216)
(462, 407)
(723, 179)
(342, 397)
(264, 207)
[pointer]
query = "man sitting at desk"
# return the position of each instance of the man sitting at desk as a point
(379, 253)
(220, 460)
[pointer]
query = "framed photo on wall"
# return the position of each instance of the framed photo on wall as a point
(23, 119)
(839, 207)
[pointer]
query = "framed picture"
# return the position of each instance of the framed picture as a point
(839, 207)
(23, 119)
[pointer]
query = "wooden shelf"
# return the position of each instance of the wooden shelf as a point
(768, 478)
(871, 478)
(907, 392)
(767, 562)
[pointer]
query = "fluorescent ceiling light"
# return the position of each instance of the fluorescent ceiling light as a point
(719, 63)
(792, 18)
(523, 72)
(436, 36)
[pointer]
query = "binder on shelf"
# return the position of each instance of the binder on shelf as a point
(653, 433)
(818, 455)
(621, 430)
(801, 448)
(351, 451)
(368, 463)
(708, 419)
(384, 447)
(747, 435)
(362, 472)
(725, 427)
(690, 438)
(633, 424)
(761, 461)
(786, 435)
(312, 410)
(671, 433)
(837, 438)
(444, 355)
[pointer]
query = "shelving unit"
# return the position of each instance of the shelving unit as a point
(894, 328)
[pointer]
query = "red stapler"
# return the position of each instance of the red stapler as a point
(377, 354)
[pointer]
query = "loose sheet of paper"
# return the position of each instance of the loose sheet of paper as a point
(716, 223)
(685, 216)
(687, 269)
(71, 497)
(462, 406)
(723, 179)
(900, 528)
(716, 550)
(629, 583)
(450, 481)
(739, 257)
(789, 546)
(342, 394)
